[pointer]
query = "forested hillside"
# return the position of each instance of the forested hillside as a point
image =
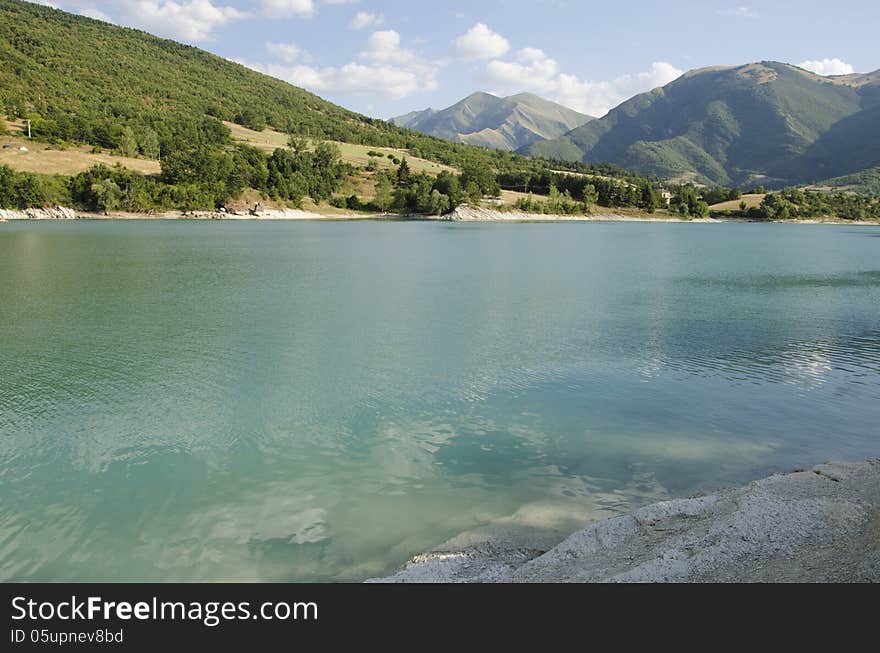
(121, 91)
(83, 80)
(768, 123)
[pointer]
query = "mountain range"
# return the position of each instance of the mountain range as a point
(484, 120)
(769, 123)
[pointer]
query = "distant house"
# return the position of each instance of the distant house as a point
(665, 195)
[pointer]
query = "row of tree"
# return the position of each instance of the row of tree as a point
(797, 203)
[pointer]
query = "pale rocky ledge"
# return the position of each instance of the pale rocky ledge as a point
(819, 525)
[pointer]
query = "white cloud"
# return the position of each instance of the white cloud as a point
(828, 67)
(480, 42)
(739, 12)
(287, 52)
(97, 14)
(365, 19)
(184, 20)
(385, 69)
(298, 8)
(534, 71)
(384, 46)
(193, 20)
(378, 80)
(287, 8)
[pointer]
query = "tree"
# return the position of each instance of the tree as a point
(590, 196)
(438, 203)
(197, 165)
(403, 173)
(297, 144)
(482, 176)
(107, 194)
(150, 143)
(687, 202)
(450, 186)
(8, 199)
(383, 197)
(650, 198)
(326, 155)
(128, 146)
(473, 193)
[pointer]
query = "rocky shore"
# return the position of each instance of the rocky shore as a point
(817, 525)
(51, 213)
(463, 213)
(466, 213)
(61, 213)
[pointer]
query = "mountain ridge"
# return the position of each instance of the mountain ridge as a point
(504, 123)
(764, 122)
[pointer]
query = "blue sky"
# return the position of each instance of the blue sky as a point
(388, 57)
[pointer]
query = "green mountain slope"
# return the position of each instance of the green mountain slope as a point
(89, 88)
(86, 81)
(497, 123)
(766, 122)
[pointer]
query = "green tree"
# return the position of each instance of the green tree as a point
(590, 197)
(107, 194)
(383, 197)
(150, 143)
(128, 145)
(438, 203)
(297, 144)
(482, 176)
(403, 173)
(326, 155)
(450, 186)
(473, 193)
(650, 198)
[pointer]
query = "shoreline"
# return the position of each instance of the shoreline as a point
(816, 525)
(461, 214)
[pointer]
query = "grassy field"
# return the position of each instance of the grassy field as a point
(752, 201)
(510, 197)
(269, 140)
(44, 159)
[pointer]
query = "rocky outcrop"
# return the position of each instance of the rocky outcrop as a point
(466, 213)
(49, 213)
(821, 525)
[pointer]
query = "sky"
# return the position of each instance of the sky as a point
(385, 58)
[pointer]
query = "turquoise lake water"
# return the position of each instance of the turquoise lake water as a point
(188, 401)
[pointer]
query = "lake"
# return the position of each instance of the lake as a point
(319, 401)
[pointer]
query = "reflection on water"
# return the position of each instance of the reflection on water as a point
(203, 401)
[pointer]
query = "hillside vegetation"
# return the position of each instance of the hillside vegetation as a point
(86, 81)
(768, 123)
(207, 131)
